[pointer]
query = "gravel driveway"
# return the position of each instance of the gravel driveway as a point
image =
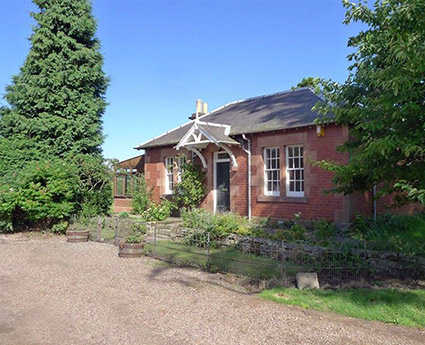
(53, 292)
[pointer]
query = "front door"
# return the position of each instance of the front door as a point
(222, 186)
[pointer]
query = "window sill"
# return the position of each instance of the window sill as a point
(290, 199)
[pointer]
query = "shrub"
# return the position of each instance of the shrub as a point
(158, 212)
(190, 191)
(134, 237)
(137, 233)
(94, 184)
(141, 195)
(124, 215)
(42, 194)
(225, 224)
(6, 225)
(199, 239)
(60, 228)
(139, 227)
(219, 225)
(392, 232)
(295, 233)
(196, 218)
(324, 229)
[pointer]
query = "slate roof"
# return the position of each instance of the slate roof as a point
(288, 109)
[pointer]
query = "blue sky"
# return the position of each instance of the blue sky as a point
(163, 55)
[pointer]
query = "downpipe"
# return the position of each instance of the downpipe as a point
(248, 152)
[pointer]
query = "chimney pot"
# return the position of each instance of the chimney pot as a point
(204, 107)
(198, 106)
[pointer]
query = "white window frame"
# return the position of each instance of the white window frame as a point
(169, 184)
(218, 159)
(180, 161)
(301, 168)
(266, 191)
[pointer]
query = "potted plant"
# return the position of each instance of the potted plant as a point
(75, 232)
(132, 247)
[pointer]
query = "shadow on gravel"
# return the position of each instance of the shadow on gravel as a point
(159, 274)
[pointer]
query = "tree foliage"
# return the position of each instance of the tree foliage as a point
(54, 114)
(382, 100)
(57, 99)
(42, 194)
(312, 82)
(141, 195)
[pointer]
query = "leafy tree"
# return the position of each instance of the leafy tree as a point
(313, 82)
(57, 99)
(94, 185)
(382, 100)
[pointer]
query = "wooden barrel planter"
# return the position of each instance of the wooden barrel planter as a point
(77, 236)
(131, 250)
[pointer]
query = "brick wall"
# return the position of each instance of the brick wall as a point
(122, 205)
(314, 205)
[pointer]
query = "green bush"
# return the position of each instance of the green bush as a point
(324, 229)
(158, 212)
(199, 239)
(295, 233)
(196, 218)
(60, 228)
(124, 215)
(135, 236)
(141, 195)
(139, 227)
(94, 185)
(190, 191)
(401, 233)
(220, 225)
(44, 193)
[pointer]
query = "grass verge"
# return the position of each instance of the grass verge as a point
(403, 307)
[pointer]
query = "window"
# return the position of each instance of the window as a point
(294, 171)
(181, 160)
(129, 177)
(169, 175)
(222, 155)
(272, 171)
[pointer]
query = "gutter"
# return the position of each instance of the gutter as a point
(248, 151)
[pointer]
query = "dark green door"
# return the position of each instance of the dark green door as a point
(223, 186)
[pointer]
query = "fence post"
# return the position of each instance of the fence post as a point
(99, 228)
(116, 240)
(282, 260)
(154, 239)
(208, 250)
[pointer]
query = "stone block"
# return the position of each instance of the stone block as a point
(307, 281)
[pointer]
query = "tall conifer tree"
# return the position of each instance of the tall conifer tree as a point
(57, 100)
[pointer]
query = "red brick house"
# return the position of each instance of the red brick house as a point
(256, 154)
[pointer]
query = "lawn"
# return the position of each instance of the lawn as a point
(220, 260)
(404, 307)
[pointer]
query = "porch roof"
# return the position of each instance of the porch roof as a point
(201, 134)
